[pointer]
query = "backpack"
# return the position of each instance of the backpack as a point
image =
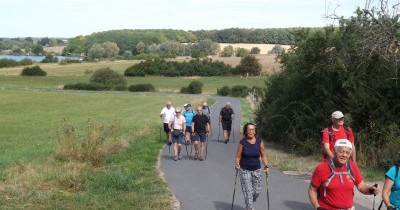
(330, 132)
(349, 172)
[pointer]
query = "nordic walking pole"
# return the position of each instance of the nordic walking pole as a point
(234, 188)
(191, 148)
(373, 204)
(267, 184)
(160, 134)
(187, 153)
(233, 132)
(219, 131)
(205, 157)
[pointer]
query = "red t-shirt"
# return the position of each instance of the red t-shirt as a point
(338, 195)
(339, 134)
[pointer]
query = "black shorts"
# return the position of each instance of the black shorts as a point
(166, 128)
(200, 137)
(227, 125)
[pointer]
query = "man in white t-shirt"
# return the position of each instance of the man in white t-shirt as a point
(167, 114)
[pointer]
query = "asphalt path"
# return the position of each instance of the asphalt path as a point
(209, 184)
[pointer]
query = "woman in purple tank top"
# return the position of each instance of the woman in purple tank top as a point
(249, 152)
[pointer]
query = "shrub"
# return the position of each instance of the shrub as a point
(239, 91)
(241, 52)
(50, 59)
(69, 61)
(141, 88)
(108, 77)
(33, 71)
(8, 63)
(255, 50)
(184, 90)
(277, 49)
(224, 91)
(87, 86)
(26, 62)
(195, 87)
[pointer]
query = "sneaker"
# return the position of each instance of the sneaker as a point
(187, 142)
(226, 141)
(201, 158)
(179, 157)
(169, 143)
(175, 158)
(195, 156)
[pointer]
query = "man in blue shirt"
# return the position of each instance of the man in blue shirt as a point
(189, 113)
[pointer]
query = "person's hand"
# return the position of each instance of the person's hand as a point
(266, 170)
(237, 167)
(374, 189)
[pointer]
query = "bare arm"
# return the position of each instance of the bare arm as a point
(353, 154)
(264, 157)
(367, 190)
(238, 156)
(387, 186)
(326, 150)
(313, 195)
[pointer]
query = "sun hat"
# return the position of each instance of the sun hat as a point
(337, 115)
(187, 105)
(178, 109)
(343, 143)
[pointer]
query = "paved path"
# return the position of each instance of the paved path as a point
(209, 184)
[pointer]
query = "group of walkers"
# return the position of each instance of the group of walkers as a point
(333, 180)
(186, 126)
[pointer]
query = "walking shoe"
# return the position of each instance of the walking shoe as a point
(201, 158)
(226, 141)
(195, 156)
(187, 142)
(169, 143)
(179, 157)
(175, 158)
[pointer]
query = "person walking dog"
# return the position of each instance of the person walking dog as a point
(332, 182)
(249, 152)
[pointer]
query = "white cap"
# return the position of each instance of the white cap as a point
(337, 115)
(343, 143)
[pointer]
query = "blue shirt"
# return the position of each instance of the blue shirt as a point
(250, 159)
(189, 117)
(395, 191)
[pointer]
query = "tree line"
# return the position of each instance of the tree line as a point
(352, 68)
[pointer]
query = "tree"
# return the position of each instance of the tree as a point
(227, 51)
(44, 41)
(52, 42)
(255, 50)
(96, 51)
(241, 52)
(277, 49)
(37, 49)
(108, 77)
(141, 47)
(111, 49)
(249, 65)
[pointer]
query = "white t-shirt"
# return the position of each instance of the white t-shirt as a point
(168, 114)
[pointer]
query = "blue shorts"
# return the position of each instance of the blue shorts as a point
(177, 139)
(200, 136)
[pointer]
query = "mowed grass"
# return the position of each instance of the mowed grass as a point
(32, 178)
(162, 84)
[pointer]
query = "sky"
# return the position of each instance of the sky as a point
(71, 18)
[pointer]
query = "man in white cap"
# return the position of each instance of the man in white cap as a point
(334, 132)
(333, 181)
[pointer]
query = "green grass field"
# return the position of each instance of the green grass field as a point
(32, 178)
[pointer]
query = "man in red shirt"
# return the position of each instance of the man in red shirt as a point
(332, 183)
(334, 132)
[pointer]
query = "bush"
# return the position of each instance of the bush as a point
(33, 71)
(50, 59)
(184, 90)
(277, 49)
(108, 77)
(224, 91)
(87, 86)
(25, 62)
(195, 87)
(69, 61)
(141, 88)
(8, 63)
(255, 50)
(239, 91)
